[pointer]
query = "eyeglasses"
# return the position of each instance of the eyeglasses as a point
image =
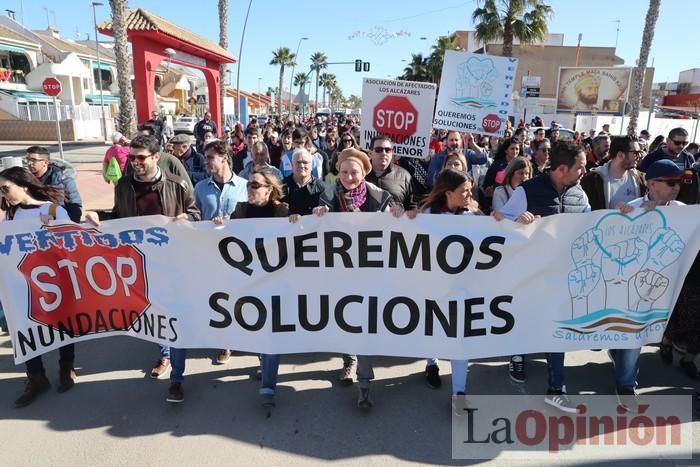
(140, 157)
(679, 143)
(636, 153)
(260, 154)
(378, 149)
(672, 183)
(302, 163)
(4, 189)
(256, 185)
(546, 150)
(346, 140)
(33, 160)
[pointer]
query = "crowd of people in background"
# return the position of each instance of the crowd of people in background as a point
(292, 166)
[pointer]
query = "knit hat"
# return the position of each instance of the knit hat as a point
(116, 137)
(357, 156)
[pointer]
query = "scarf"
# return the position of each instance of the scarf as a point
(416, 169)
(351, 200)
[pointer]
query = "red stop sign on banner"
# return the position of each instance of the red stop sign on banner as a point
(395, 116)
(491, 123)
(52, 86)
(99, 288)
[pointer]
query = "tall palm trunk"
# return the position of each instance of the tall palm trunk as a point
(279, 98)
(223, 42)
(318, 70)
(508, 38)
(639, 71)
(126, 119)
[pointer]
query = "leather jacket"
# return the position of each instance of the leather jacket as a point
(176, 197)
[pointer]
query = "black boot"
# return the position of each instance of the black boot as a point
(66, 374)
(36, 385)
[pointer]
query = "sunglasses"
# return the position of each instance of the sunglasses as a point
(256, 185)
(346, 140)
(386, 150)
(679, 143)
(33, 160)
(139, 157)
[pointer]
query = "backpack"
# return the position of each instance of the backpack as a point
(113, 172)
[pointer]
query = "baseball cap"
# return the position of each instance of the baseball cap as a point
(664, 170)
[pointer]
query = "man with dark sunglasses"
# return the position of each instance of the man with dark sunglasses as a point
(664, 179)
(150, 190)
(673, 150)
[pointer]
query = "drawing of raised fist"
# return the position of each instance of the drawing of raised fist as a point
(584, 247)
(665, 248)
(582, 282)
(624, 259)
(645, 288)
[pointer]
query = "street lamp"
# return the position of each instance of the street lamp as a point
(291, 78)
(99, 70)
(237, 104)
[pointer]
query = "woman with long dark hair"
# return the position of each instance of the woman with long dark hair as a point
(452, 194)
(518, 170)
(23, 196)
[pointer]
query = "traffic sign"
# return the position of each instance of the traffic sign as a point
(52, 86)
(201, 99)
(396, 116)
(491, 123)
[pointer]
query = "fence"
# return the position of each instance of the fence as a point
(46, 111)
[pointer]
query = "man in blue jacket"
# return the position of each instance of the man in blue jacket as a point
(59, 174)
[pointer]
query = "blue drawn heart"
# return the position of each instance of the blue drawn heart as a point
(483, 66)
(653, 216)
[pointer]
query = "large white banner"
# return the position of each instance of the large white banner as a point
(402, 110)
(437, 286)
(475, 93)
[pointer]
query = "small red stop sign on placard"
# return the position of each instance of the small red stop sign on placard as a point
(491, 123)
(52, 86)
(395, 116)
(98, 288)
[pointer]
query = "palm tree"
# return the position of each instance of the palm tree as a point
(300, 81)
(437, 56)
(417, 69)
(223, 42)
(525, 20)
(282, 57)
(126, 120)
(332, 87)
(640, 70)
(318, 61)
(323, 82)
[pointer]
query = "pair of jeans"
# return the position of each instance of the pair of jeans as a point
(164, 351)
(626, 362)
(460, 368)
(66, 355)
(270, 364)
(365, 371)
(177, 364)
(555, 370)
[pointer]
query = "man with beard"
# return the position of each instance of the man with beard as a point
(587, 88)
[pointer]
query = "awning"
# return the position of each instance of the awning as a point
(12, 48)
(103, 66)
(28, 95)
(107, 98)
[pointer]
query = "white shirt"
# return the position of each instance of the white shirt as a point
(21, 213)
(621, 189)
(637, 203)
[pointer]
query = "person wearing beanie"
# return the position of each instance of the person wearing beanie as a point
(118, 149)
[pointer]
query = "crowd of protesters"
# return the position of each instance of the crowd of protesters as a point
(292, 167)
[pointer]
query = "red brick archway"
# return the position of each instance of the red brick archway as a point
(150, 35)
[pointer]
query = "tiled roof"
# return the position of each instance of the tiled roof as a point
(142, 20)
(8, 33)
(68, 46)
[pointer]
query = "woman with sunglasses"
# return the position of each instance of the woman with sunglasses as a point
(23, 196)
(351, 193)
(346, 141)
(264, 200)
(453, 194)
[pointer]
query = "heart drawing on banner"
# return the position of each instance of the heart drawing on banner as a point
(616, 227)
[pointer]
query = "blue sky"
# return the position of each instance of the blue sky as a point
(339, 29)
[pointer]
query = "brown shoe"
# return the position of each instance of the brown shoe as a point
(176, 394)
(223, 357)
(36, 385)
(66, 375)
(160, 368)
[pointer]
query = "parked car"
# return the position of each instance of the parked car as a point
(184, 125)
